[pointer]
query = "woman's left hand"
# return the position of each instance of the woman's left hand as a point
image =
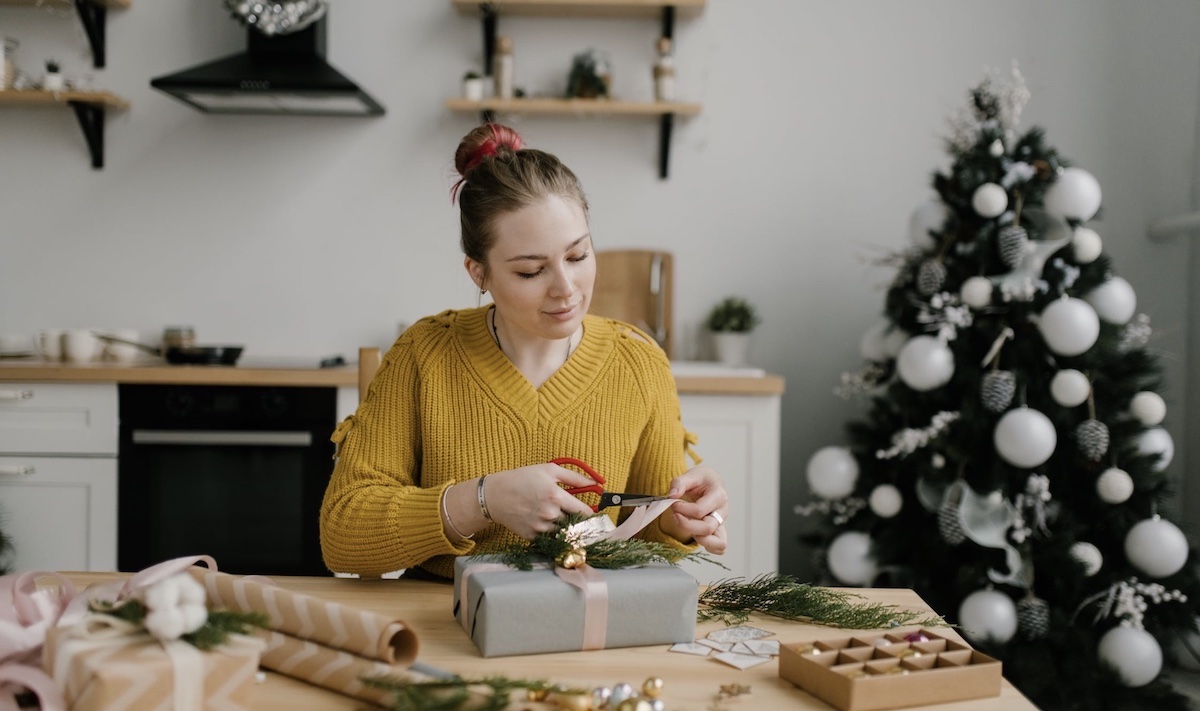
(701, 512)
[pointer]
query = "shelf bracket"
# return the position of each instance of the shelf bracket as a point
(91, 120)
(487, 12)
(94, 17)
(665, 123)
(668, 21)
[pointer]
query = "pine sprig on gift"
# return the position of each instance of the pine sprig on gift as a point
(215, 631)
(456, 693)
(608, 554)
(732, 601)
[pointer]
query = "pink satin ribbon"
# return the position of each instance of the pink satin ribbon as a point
(26, 614)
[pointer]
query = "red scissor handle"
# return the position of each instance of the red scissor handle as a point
(596, 488)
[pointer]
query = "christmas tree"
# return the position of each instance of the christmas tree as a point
(1012, 462)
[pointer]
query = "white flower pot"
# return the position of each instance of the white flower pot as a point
(53, 82)
(473, 89)
(731, 348)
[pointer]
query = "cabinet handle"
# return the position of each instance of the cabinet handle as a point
(6, 395)
(223, 438)
(17, 470)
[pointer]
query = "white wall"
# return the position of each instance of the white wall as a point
(821, 128)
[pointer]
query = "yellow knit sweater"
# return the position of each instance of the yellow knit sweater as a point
(447, 406)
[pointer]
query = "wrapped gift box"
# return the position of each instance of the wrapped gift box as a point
(136, 672)
(869, 671)
(508, 612)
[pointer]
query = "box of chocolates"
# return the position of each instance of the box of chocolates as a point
(912, 666)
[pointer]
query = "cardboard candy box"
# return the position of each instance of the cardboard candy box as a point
(135, 672)
(904, 667)
(510, 612)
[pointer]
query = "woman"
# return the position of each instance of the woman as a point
(449, 452)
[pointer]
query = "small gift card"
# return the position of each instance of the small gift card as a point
(699, 650)
(740, 661)
(719, 646)
(763, 647)
(733, 635)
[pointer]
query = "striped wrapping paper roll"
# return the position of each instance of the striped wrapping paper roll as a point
(329, 668)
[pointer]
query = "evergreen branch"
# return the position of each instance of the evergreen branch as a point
(456, 693)
(732, 601)
(216, 629)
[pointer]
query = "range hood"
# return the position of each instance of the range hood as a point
(279, 74)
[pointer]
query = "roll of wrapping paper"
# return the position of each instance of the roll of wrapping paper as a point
(329, 668)
(329, 624)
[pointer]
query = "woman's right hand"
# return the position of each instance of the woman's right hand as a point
(529, 500)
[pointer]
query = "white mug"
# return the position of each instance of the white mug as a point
(121, 352)
(13, 343)
(80, 345)
(49, 343)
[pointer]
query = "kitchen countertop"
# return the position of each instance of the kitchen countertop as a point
(690, 682)
(700, 379)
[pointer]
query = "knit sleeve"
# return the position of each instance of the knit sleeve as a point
(664, 445)
(376, 517)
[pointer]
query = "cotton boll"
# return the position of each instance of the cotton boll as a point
(194, 616)
(166, 623)
(162, 595)
(190, 590)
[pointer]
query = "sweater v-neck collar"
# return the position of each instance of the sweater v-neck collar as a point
(498, 373)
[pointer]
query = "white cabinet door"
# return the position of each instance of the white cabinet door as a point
(60, 512)
(37, 418)
(739, 437)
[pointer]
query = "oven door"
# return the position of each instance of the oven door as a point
(249, 498)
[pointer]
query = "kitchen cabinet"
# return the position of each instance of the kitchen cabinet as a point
(739, 438)
(58, 475)
(665, 111)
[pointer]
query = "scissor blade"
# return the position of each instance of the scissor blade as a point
(608, 499)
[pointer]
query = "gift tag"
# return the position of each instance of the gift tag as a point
(699, 650)
(732, 635)
(740, 661)
(719, 646)
(763, 647)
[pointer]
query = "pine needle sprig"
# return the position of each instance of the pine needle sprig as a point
(214, 632)
(732, 600)
(455, 693)
(607, 554)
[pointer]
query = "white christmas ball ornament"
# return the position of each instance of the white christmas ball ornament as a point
(1148, 407)
(1156, 547)
(1089, 555)
(1069, 326)
(1114, 301)
(989, 200)
(976, 292)
(832, 472)
(872, 344)
(886, 501)
(1133, 653)
(894, 341)
(1158, 441)
(1086, 244)
(988, 615)
(1025, 437)
(850, 558)
(1070, 387)
(1114, 486)
(1074, 196)
(929, 216)
(925, 363)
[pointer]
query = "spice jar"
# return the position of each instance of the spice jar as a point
(179, 337)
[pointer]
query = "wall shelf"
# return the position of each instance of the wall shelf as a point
(92, 13)
(489, 13)
(89, 106)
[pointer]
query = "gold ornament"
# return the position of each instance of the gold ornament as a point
(636, 704)
(536, 694)
(571, 559)
(652, 687)
(572, 700)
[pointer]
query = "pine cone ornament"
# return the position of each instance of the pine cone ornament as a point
(1012, 243)
(996, 390)
(931, 276)
(1033, 617)
(1092, 436)
(949, 527)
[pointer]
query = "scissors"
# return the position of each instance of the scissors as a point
(607, 498)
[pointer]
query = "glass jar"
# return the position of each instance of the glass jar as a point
(179, 337)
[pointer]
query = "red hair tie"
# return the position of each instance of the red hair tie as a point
(486, 149)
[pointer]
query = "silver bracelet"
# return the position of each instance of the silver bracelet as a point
(483, 501)
(450, 523)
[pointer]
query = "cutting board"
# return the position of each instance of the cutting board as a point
(636, 286)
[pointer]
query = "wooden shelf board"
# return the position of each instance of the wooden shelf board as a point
(594, 8)
(105, 3)
(53, 98)
(574, 107)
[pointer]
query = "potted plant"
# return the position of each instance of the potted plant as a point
(472, 86)
(53, 80)
(731, 322)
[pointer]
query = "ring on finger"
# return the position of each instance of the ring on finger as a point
(720, 519)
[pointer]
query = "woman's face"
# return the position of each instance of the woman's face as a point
(541, 268)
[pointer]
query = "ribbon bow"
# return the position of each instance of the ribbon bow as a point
(26, 614)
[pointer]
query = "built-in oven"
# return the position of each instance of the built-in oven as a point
(235, 472)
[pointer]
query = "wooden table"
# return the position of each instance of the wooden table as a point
(691, 681)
